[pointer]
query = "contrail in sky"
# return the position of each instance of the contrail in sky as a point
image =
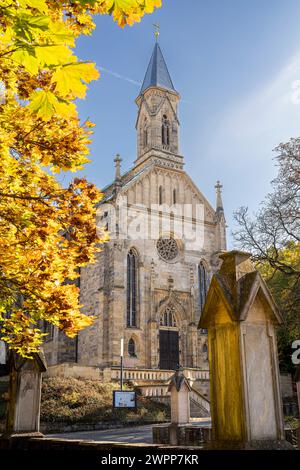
(121, 77)
(127, 79)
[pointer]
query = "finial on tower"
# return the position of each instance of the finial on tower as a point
(117, 161)
(156, 31)
(219, 205)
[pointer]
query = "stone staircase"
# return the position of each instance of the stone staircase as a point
(154, 384)
(199, 405)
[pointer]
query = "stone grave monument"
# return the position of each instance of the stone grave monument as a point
(241, 318)
(23, 416)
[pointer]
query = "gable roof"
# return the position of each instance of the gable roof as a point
(178, 380)
(237, 297)
(131, 177)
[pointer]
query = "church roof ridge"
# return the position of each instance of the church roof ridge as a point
(124, 182)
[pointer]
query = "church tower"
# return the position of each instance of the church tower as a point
(157, 122)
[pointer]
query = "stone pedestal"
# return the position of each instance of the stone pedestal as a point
(180, 398)
(181, 434)
(241, 316)
(24, 395)
(176, 432)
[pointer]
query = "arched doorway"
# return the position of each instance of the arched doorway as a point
(169, 354)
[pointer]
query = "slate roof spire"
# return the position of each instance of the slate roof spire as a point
(157, 73)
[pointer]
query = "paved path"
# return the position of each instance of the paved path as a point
(137, 434)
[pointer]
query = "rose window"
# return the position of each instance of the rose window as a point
(167, 248)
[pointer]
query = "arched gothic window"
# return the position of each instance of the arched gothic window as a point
(132, 279)
(167, 318)
(204, 348)
(160, 195)
(202, 274)
(165, 131)
(131, 348)
(145, 134)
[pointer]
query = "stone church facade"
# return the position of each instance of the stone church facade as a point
(149, 283)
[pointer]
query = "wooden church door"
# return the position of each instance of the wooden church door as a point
(169, 349)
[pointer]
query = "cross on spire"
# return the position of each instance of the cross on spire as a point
(156, 30)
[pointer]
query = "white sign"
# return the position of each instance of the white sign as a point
(124, 399)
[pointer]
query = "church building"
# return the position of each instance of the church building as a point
(150, 280)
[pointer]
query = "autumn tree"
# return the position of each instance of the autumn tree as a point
(47, 232)
(273, 237)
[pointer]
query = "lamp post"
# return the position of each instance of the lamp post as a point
(121, 357)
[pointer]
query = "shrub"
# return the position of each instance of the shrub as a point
(70, 401)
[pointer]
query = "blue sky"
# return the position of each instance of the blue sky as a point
(234, 62)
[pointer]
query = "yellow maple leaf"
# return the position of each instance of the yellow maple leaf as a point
(29, 61)
(54, 54)
(43, 103)
(70, 79)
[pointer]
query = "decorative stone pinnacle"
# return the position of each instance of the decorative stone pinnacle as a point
(219, 204)
(117, 161)
(218, 186)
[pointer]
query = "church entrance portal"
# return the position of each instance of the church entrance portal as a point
(169, 349)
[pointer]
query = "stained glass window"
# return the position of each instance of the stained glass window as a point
(202, 274)
(131, 348)
(132, 267)
(167, 318)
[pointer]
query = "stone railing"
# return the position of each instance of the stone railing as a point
(196, 374)
(141, 375)
(159, 375)
(152, 390)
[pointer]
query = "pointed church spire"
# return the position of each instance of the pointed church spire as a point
(157, 73)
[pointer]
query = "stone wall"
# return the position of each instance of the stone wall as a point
(286, 385)
(185, 435)
(75, 371)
